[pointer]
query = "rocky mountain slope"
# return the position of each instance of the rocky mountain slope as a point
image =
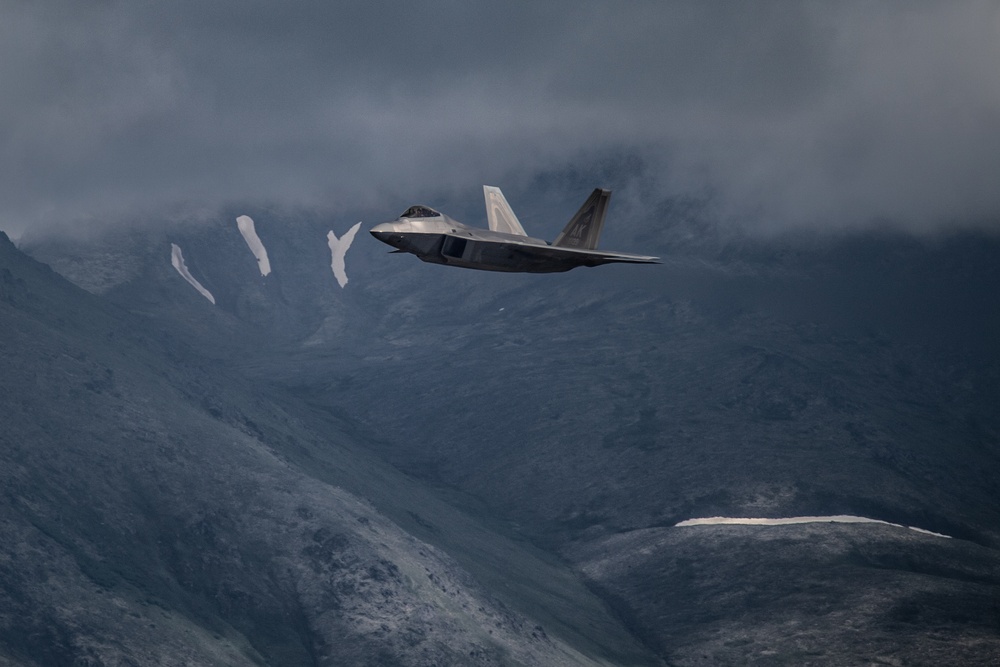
(158, 509)
(576, 419)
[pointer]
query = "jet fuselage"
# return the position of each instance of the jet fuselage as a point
(447, 241)
(439, 239)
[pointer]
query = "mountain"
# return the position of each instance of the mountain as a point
(579, 418)
(159, 509)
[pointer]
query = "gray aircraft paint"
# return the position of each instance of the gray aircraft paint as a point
(499, 215)
(439, 239)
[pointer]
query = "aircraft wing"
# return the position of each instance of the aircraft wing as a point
(583, 257)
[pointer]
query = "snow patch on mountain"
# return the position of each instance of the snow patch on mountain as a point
(245, 223)
(177, 259)
(338, 249)
(837, 518)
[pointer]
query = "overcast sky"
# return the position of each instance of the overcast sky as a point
(831, 114)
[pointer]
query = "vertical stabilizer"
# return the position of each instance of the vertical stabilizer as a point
(584, 229)
(499, 214)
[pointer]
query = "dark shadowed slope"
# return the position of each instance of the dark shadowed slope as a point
(158, 510)
(590, 413)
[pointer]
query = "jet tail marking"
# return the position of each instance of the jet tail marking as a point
(499, 213)
(584, 229)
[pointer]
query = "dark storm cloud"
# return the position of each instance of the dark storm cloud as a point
(807, 114)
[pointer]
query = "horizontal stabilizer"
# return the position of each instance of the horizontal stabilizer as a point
(584, 229)
(499, 213)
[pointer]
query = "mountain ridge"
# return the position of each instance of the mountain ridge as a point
(156, 484)
(577, 414)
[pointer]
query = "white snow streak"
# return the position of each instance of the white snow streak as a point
(245, 223)
(338, 249)
(838, 518)
(177, 259)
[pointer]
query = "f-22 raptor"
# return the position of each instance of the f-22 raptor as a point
(436, 238)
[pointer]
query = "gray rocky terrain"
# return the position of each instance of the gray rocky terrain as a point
(158, 511)
(435, 466)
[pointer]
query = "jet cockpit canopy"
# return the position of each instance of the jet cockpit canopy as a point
(420, 212)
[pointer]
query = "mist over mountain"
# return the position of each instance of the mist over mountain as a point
(573, 420)
(810, 116)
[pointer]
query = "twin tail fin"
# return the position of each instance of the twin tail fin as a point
(499, 213)
(584, 228)
(582, 232)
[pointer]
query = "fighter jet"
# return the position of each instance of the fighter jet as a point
(436, 238)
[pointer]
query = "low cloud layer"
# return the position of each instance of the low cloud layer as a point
(796, 115)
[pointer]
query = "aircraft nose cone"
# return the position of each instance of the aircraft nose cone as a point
(381, 232)
(386, 233)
